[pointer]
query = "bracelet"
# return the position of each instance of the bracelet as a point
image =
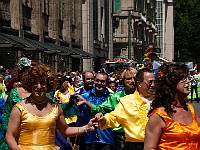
(85, 129)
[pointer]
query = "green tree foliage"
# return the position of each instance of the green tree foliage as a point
(187, 30)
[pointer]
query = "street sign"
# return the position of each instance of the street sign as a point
(117, 6)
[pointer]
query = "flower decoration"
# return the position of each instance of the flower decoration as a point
(146, 60)
(160, 75)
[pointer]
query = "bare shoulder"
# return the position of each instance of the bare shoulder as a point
(156, 119)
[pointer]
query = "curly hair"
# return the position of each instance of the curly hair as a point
(166, 85)
(39, 73)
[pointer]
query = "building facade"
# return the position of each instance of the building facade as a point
(97, 32)
(139, 24)
(44, 30)
(134, 27)
(165, 26)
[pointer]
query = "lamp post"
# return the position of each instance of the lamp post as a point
(129, 34)
(143, 44)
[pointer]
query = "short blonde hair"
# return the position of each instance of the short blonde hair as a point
(128, 72)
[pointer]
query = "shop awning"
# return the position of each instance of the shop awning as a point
(30, 44)
(83, 53)
(19, 42)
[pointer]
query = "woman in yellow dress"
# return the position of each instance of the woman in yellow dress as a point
(173, 123)
(33, 121)
(63, 95)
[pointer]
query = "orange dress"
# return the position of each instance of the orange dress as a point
(177, 135)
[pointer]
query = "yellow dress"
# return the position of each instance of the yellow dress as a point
(37, 133)
(64, 100)
(177, 135)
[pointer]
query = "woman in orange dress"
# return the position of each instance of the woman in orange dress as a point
(173, 123)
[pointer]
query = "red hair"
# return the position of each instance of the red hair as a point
(9, 83)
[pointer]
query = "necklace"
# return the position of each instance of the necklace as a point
(39, 103)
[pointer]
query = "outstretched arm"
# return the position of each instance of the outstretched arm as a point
(153, 132)
(65, 130)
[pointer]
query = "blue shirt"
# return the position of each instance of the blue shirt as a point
(106, 135)
(80, 91)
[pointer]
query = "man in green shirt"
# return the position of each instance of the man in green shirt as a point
(128, 78)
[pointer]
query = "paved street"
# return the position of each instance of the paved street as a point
(196, 107)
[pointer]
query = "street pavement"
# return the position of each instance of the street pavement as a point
(196, 107)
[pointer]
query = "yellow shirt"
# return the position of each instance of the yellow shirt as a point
(131, 113)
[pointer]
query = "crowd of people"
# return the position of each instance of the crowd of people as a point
(133, 110)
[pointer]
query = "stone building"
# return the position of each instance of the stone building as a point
(97, 32)
(139, 24)
(48, 31)
(165, 26)
(134, 27)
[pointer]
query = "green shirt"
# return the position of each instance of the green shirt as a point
(109, 105)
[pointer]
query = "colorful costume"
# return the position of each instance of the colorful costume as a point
(106, 136)
(37, 132)
(177, 135)
(109, 105)
(131, 113)
(14, 98)
(58, 94)
(2, 106)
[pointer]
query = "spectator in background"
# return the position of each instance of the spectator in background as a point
(63, 95)
(2, 88)
(112, 76)
(194, 84)
(112, 86)
(88, 78)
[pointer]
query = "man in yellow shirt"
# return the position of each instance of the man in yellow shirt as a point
(132, 110)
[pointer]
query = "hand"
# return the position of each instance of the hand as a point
(81, 100)
(99, 117)
(91, 124)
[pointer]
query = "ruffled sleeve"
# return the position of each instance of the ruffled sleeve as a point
(69, 110)
(13, 98)
(2, 106)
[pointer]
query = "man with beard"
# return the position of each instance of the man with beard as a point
(128, 79)
(101, 139)
(132, 110)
